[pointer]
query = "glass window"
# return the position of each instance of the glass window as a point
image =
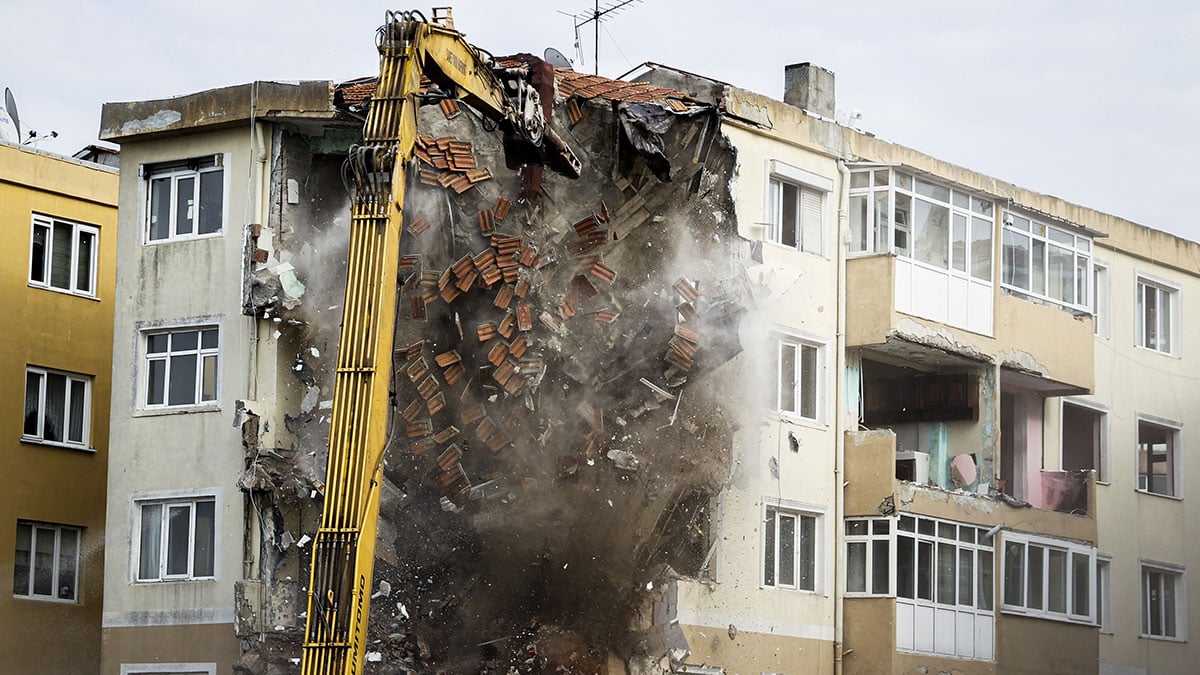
(795, 215)
(1157, 470)
(46, 565)
(181, 366)
(1162, 602)
(1155, 309)
(1047, 262)
(798, 378)
(176, 539)
(868, 556)
(1049, 578)
(186, 199)
(57, 407)
(789, 550)
(62, 256)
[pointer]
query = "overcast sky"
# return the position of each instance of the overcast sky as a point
(1095, 101)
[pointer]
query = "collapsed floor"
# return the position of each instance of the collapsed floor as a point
(560, 429)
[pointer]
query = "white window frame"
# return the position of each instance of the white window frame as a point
(1104, 593)
(967, 537)
(808, 185)
(175, 171)
(74, 259)
(1103, 470)
(1102, 298)
(772, 509)
(189, 500)
(1174, 459)
(72, 380)
(1072, 551)
(870, 559)
(54, 572)
(782, 341)
(1050, 237)
(1178, 575)
(1168, 333)
(201, 353)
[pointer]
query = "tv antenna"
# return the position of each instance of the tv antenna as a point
(594, 16)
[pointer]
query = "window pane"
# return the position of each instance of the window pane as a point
(769, 549)
(202, 565)
(1016, 260)
(151, 538)
(931, 230)
(985, 580)
(184, 340)
(958, 243)
(78, 411)
(1056, 583)
(208, 386)
(787, 550)
(856, 527)
(1061, 269)
(1154, 602)
(183, 380)
(790, 215)
(185, 204)
(211, 198)
(880, 570)
(856, 567)
(900, 224)
(22, 562)
(904, 567)
(1080, 584)
(881, 177)
(1082, 297)
(1037, 268)
(1164, 321)
(1014, 575)
(941, 194)
(1035, 587)
(179, 525)
(208, 338)
(53, 417)
(925, 570)
(37, 254)
(68, 556)
(83, 273)
(966, 577)
(43, 561)
(881, 526)
(947, 573)
(60, 256)
(860, 179)
(33, 393)
(156, 387)
(858, 223)
(981, 249)
(1168, 605)
(787, 377)
(808, 558)
(160, 208)
(808, 382)
(882, 236)
(907, 523)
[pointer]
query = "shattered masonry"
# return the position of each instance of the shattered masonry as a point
(553, 463)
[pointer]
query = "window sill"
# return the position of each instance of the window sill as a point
(794, 249)
(177, 410)
(54, 444)
(37, 598)
(1046, 616)
(173, 580)
(1151, 350)
(785, 589)
(176, 240)
(1148, 493)
(790, 418)
(60, 291)
(1162, 638)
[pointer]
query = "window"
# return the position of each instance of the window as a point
(1100, 299)
(62, 256)
(1155, 316)
(943, 588)
(1156, 456)
(1163, 602)
(892, 211)
(1047, 262)
(186, 199)
(1049, 578)
(176, 539)
(1084, 440)
(181, 366)
(795, 215)
(1104, 612)
(868, 556)
(58, 407)
(789, 549)
(47, 561)
(797, 387)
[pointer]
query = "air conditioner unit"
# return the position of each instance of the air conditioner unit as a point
(913, 466)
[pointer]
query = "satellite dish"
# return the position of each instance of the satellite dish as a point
(10, 122)
(556, 58)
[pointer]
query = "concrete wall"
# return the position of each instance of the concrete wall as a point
(196, 450)
(65, 332)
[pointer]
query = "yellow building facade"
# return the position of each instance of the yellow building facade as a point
(58, 227)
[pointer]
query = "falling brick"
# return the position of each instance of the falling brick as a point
(418, 226)
(500, 210)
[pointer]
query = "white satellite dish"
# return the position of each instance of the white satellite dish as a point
(10, 122)
(556, 58)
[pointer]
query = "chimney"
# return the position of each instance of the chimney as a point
(809, 87)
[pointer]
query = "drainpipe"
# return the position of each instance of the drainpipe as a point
(840, 414)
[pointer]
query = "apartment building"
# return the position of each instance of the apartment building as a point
(949, 436)
(59, 220)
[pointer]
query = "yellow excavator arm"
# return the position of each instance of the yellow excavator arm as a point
(410, 46)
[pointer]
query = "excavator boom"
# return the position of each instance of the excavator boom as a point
(344, 548)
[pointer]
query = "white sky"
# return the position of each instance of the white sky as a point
(1095, 101)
